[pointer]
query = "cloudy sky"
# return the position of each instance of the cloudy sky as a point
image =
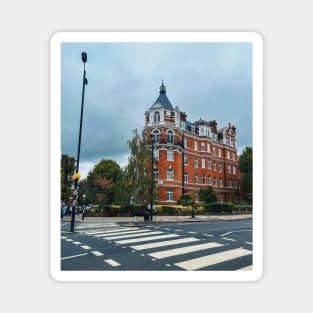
(205, 80)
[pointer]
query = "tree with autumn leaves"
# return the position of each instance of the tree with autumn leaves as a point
(108, 183)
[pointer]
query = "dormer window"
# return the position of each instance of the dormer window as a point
(156, 117)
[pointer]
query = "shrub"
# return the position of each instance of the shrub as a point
(168, 210)
(218, 208)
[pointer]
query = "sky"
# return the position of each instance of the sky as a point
(211, 81)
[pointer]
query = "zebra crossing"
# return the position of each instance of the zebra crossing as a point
(161, 244)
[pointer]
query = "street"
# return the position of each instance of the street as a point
(209, 246)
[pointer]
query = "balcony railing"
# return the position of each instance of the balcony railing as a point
(166, 142)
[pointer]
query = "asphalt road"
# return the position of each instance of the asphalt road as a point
(205, 246)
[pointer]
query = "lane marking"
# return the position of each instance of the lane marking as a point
(147, 238)
(76, 243)
(97, 253)
(73, 256)
(184, 250)
(195, 264)
(111, 232)
(147, 233)
(85, 247)
(230, 239)
(235, 231)
(164, 243)
(112, 262)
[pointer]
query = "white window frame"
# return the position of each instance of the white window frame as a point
(196, 179)
(203, 179)
(170, 136)
(203, 162)
(170, 174)
(209, 180)
(196, 163)
(186, 177)
(170, 155)
(170, 195)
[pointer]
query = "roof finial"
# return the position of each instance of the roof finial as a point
(162, 88)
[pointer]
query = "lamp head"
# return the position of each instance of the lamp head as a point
(84, 57)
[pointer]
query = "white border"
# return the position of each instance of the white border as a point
(55, 153)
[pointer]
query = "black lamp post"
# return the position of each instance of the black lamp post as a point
(77, 176)
(151, 196)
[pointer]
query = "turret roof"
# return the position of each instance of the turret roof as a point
(162, 100)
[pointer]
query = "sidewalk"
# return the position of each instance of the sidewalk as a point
(99, 222)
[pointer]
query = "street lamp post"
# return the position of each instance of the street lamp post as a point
(151, 195)
(77, 176)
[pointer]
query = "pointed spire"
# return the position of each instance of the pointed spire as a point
(162, 88)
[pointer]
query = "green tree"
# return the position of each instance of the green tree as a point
(98, 189)
(138, 171)
(186, 200)
(245, 166)
(122, 190)
(67, 171)
(207, 195)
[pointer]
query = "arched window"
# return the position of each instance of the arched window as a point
(170, 136)
(156, 136)
(156, 117)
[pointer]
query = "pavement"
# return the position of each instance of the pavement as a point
(105, 222)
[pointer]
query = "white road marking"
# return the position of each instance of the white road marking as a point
(97, 253)
(85, 247)
(76, 243)
(95, 232)
(146, 238)
(212, 259)
(235, 231)
(121, 232)
(112, 262)
(248, 243)
(208, 235)
(164, 243)
(184, 250)
(230, 239)
(73, 256)
(147, 233)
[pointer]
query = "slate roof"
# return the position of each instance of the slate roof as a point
(163, 100)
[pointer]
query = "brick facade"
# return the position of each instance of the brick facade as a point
(190, 156)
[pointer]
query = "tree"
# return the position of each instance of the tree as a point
(186, 200)
(98, 189)
(138, 171)
(245, 166)
(122, 190)
(207, 195)
(104, 188)
(67, 171)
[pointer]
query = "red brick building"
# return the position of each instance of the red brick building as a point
(190, 156)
